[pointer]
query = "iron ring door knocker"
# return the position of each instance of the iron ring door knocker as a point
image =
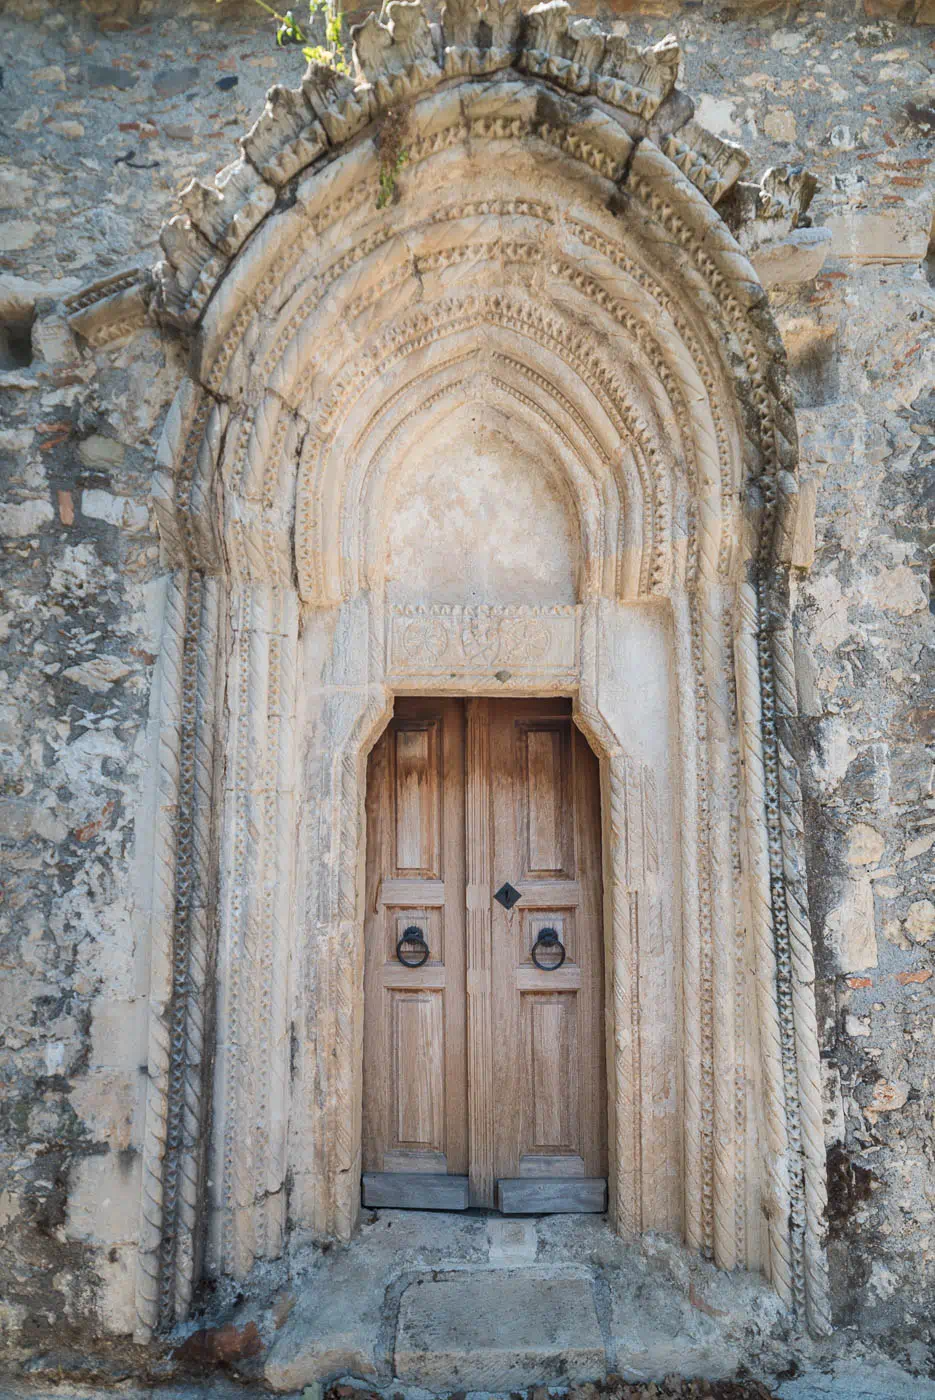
(414, 937)
(548, 938)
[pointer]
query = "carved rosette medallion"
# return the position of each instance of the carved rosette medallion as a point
(426, 638)
(525, 639)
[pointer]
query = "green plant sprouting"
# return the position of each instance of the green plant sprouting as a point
(393, 151)
(388, 173)
(332, 53)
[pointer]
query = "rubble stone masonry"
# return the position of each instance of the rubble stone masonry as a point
(107, 109)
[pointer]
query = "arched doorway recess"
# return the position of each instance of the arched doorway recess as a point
(552, 255)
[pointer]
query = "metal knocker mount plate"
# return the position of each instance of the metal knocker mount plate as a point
(413, 938)
(507, 896)
(549, 939)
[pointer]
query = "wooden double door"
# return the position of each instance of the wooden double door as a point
(484, 1079)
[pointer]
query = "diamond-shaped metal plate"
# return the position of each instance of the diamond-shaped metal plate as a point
(507, 896)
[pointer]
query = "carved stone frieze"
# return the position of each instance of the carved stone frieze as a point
(480, 38)
(285, 138)
(584, 58)
(712, 165)
(396, 59)
(480, 641)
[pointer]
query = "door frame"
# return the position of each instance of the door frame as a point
(540, 652)
(473, 924)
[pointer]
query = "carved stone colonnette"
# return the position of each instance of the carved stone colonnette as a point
(553, 255)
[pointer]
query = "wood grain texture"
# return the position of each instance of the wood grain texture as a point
(549, 1084)
(415, 1073)
(526, 786)
(415, 1190)
(539, 1164)
(551, 1196)
(479, 904)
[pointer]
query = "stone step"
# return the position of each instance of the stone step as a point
(498, 1332)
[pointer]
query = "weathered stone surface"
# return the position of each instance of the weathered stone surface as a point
(893, 236)
(172, 82)
(102, 75)
(496, 1332)
(849, 927)
(84, 578)
(798, 257)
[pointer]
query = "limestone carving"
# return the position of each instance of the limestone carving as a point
(588, 317)
(112, 309)
(396, 59)
(468, 641)
(480, 38)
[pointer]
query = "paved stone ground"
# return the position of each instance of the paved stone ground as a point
(674, 1388)
(335, 1314)
(864, 1379)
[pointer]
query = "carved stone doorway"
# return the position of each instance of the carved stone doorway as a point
(552, 331)
(483, 1077)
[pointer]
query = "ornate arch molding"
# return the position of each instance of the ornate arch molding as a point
(601, 295)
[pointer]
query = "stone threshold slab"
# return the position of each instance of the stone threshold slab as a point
(498, 1332)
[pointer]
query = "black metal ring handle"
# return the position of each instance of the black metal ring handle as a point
(548, 938)
(414, 936)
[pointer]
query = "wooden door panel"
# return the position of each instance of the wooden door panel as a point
(546, 834)
(415, 1077)
(540, 919)
(483, 1072)
(417, 791)
(550, 1115)
(417, 1090)
(550, 1105)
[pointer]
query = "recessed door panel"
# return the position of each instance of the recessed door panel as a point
(546, 830)
(418, 1088)
(549, 1023)
(417, 789)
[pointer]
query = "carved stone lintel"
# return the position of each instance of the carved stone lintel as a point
(482, 641)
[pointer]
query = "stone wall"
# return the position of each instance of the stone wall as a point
(108, 109)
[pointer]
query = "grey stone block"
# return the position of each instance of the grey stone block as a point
(495, 1332)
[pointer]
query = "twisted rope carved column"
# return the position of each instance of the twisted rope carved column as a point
(778, 1204)
(182, 959)
(797, 1000)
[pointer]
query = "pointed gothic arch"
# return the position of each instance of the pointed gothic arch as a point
(553, 253)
